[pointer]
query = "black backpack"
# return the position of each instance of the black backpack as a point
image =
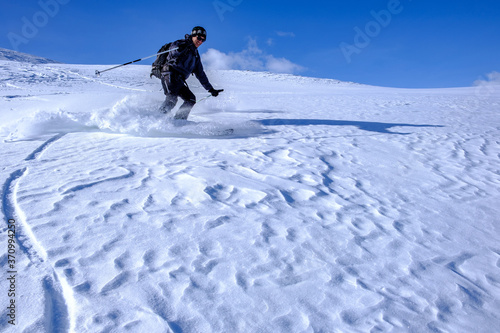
(160, 61)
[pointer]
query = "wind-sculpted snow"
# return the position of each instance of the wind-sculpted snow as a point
(333, 207)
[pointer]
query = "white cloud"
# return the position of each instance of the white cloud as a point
(282, 65)
(215, 59)
(252, 58)
(492, 78)
(488, 87)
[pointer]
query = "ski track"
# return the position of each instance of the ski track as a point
(286, 230)
(57, 296)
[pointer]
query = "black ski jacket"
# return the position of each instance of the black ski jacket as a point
(186, 61)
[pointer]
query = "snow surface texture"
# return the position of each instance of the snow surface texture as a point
(333, 207)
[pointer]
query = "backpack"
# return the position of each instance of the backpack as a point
(160, 61)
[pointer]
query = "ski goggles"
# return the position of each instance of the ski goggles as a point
(201, 38)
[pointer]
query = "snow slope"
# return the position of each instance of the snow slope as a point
(333, 207)
(6, 54)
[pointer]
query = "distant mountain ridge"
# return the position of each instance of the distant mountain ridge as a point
(6, 54)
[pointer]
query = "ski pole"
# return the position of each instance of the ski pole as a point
(98, 73)
(204, 98)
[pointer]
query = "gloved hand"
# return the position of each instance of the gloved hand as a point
(215, 92)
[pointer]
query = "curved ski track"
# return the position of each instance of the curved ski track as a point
(58, 296)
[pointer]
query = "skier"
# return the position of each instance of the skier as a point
(174, 69)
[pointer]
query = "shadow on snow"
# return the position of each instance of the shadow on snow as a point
(363, 125)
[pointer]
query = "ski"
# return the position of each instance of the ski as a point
(227, 131)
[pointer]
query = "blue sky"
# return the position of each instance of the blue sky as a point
(405, 43)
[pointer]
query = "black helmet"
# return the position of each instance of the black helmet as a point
(199, 31)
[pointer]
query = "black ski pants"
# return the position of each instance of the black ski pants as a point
(174, 87)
